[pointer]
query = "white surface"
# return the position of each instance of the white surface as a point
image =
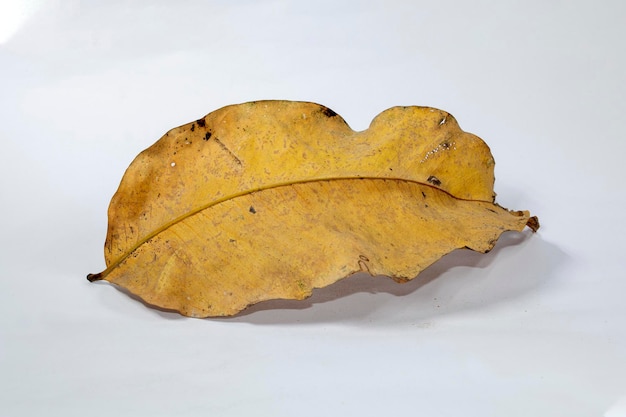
(535, 328)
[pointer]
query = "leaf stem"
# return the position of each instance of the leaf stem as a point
(94, 277)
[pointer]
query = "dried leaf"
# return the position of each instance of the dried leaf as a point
(272, 199)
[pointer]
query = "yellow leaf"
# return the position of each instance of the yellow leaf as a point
(272, 199)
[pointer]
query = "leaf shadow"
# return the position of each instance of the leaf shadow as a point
(138, 301)
(351, 299)
(366, 298)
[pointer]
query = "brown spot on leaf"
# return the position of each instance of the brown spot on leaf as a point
(328, 112)
(434, 180)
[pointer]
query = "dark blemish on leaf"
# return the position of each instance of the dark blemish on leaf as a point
(207, 136)
(423, 194)
(232, 240)
(201, 122)
(390, 169)
(193, 127)
(252, 210)
(328, 112)
(445, 145)
(492, 210)
(434, 180)
(364, 258)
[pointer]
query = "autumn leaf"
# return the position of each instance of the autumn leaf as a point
(272, 199)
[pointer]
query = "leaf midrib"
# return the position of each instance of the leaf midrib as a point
(113, 265)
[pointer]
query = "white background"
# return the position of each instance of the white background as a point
(535, 328)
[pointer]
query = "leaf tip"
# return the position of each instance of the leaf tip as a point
(533, 223)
